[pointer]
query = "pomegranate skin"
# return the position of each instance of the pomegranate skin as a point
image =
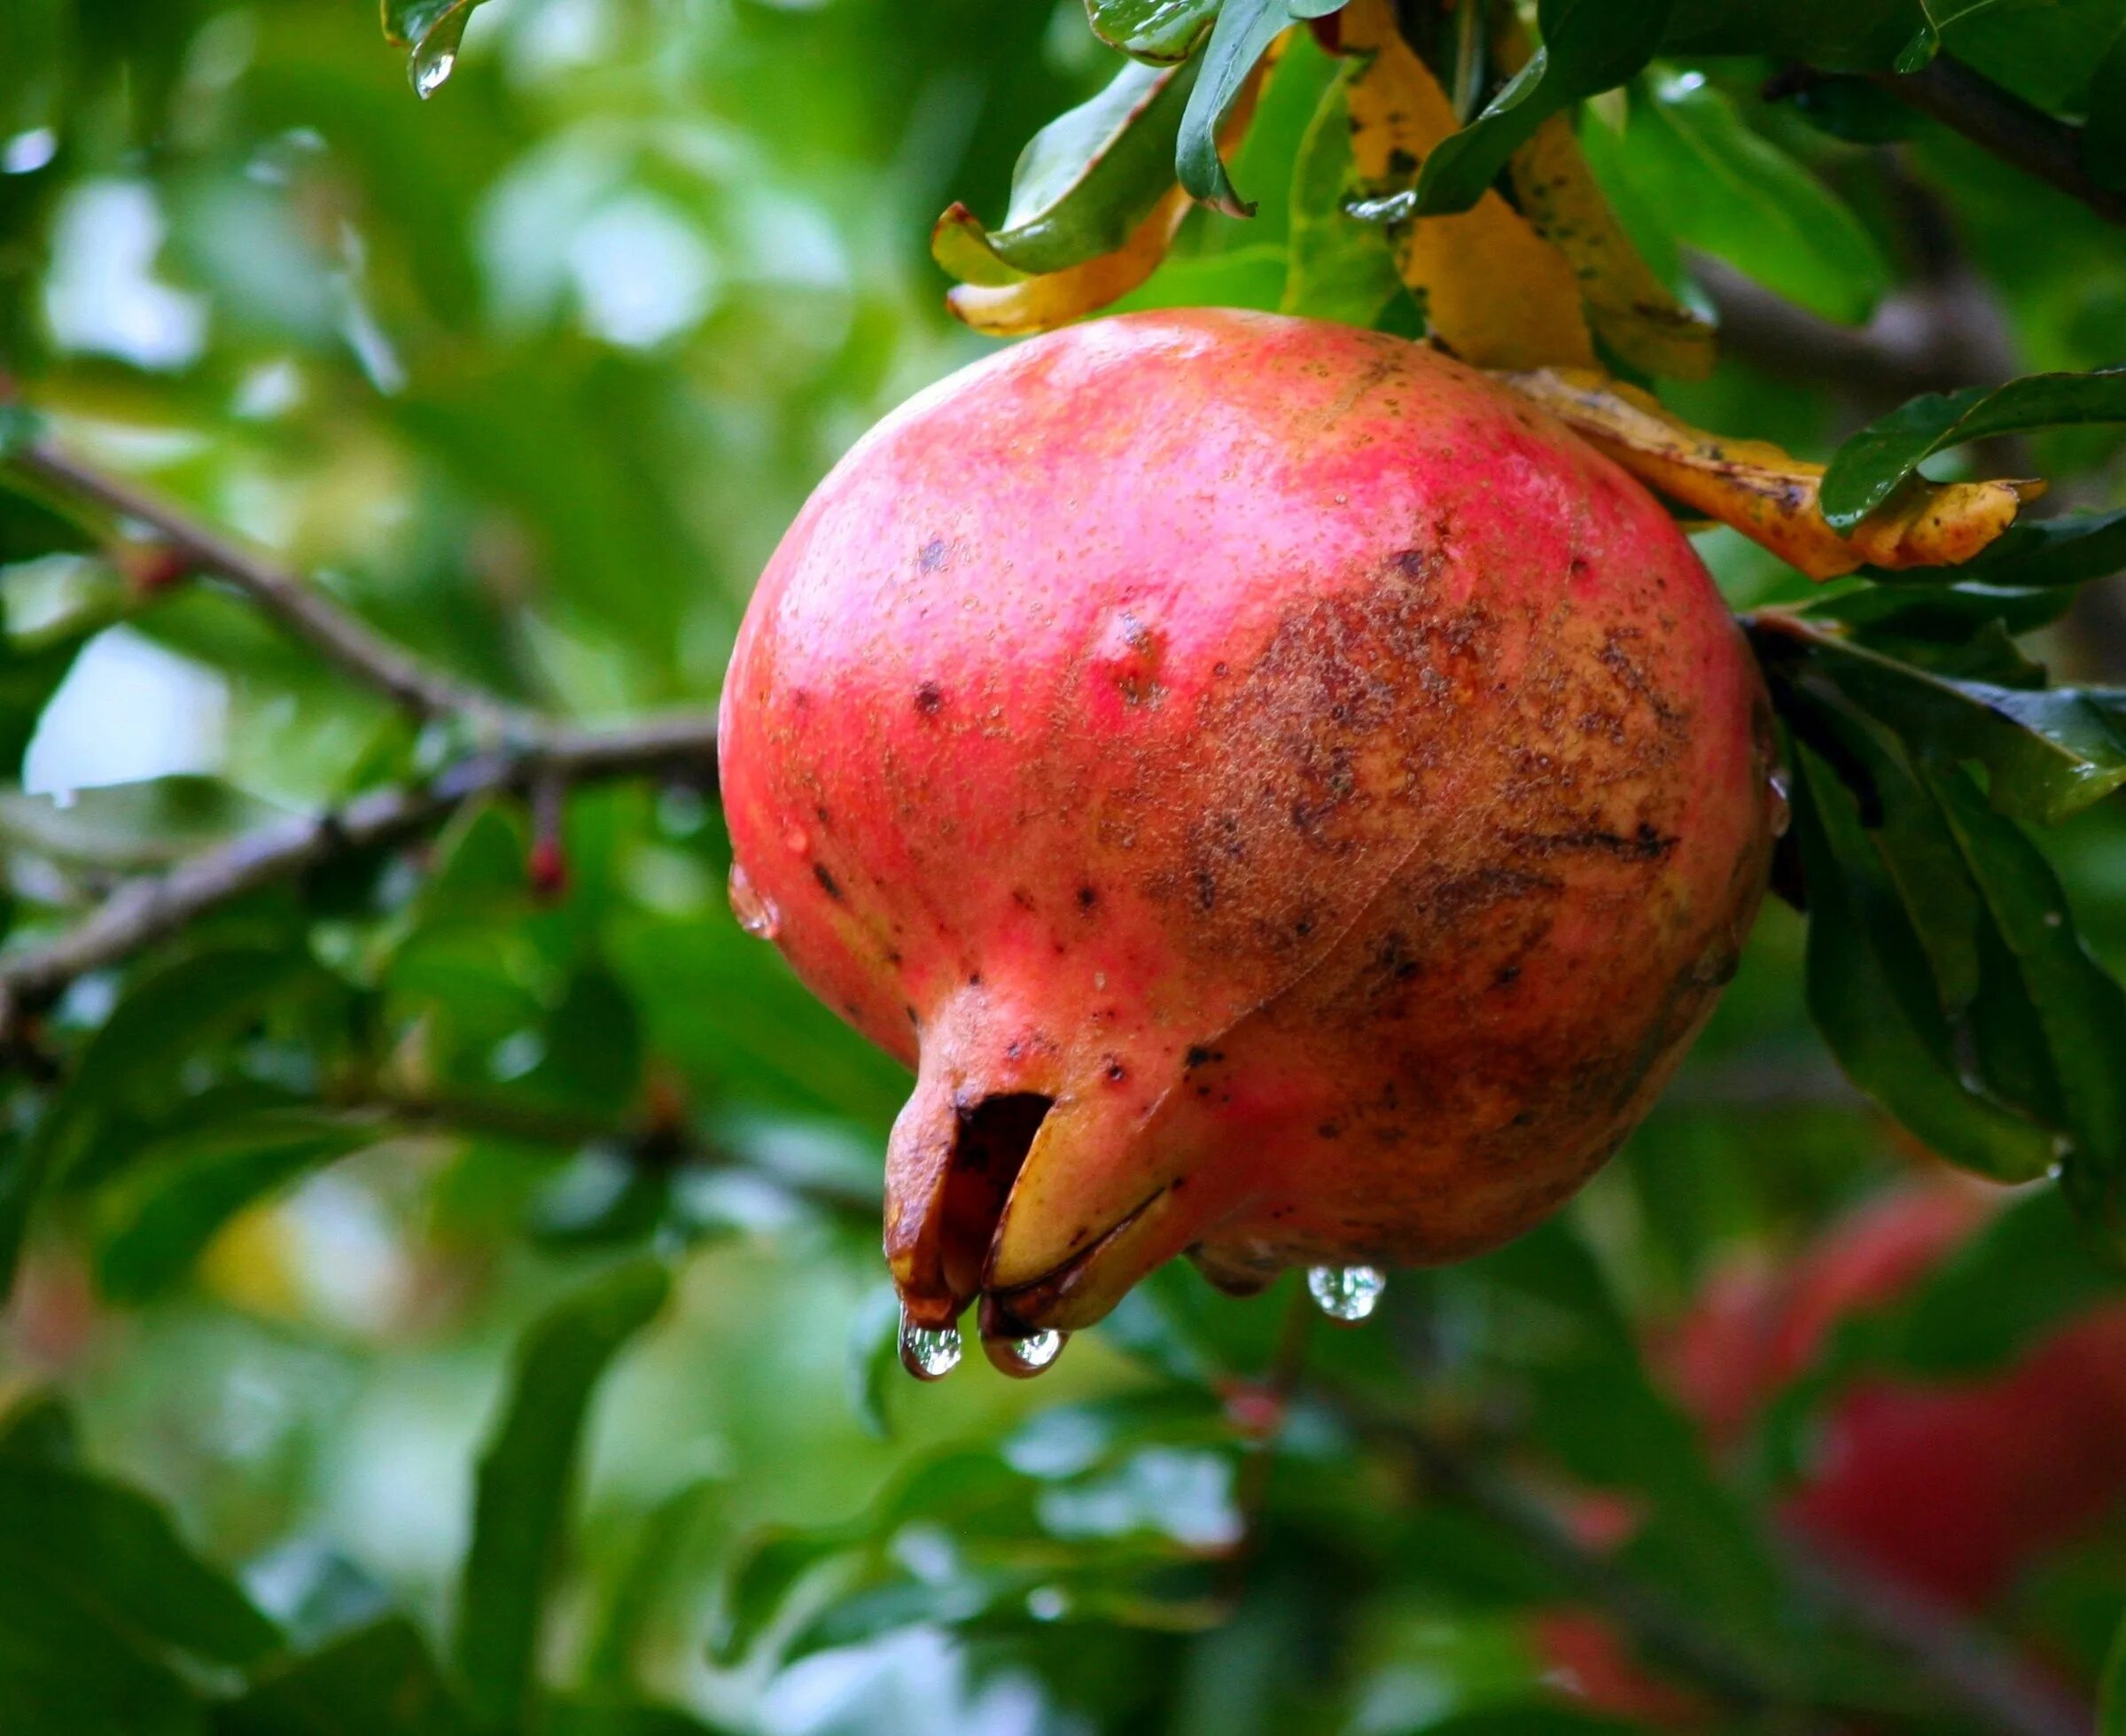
(1288, 800)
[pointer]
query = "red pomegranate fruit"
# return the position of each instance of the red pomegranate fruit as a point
(1945, 1491)
(1288, 800)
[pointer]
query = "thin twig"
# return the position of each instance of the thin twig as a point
(309, 613)
(1964, 1666)
(2001, 122)
(154, 907)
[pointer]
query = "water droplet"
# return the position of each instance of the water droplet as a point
(1782, 800)
(1346, 1292)
(756, 914)
(1021, 1358)
(796, 841)
(928, 1353)
(432, 64)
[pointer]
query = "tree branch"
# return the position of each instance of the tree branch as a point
(2001, 122)
(152, 907)
(309, 613)
(1965, 1667)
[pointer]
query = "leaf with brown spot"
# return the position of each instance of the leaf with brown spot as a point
(1632, 309)
(1764, 492)
(1496, 293)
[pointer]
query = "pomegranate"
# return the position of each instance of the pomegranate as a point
(1289, 800)
(1950, 1487)
(1947, 1490)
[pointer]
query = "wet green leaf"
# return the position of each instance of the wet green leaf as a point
(2080, 1007)
(2048, 752)
(1871, 992)
(1869, 466)
(1588, 46)
(527, 1477)
(1164, 31)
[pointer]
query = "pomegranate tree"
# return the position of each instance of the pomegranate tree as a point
(1289, 800)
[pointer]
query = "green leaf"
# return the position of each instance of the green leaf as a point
(2080, 1006)
(2048, 752)
(527, 1481)
(159, 1216)
(1083, 184)
(167, 1014)
(378, 1680)
(1838, 35)
(106, 1546)
(1337, 268)
(1866, 469)
(1244, 30)
(1871, 994)
(1163, 32)
(1589, 46)
(432, 30)
(1949, 614)
(1726, 191)
(2104, 133)
(2048, 552)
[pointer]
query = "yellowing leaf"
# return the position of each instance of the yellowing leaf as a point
(1633, 309)
(1040, 304)
(1496, 293)
(1766, 494)
(1055, 298)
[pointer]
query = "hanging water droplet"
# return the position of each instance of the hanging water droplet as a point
(756, 914)
(929, 1353)
(1781, 806)
(1346, 1292)
(1021, 1358)
(433, 62)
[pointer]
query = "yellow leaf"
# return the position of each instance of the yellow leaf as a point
(1766, 494)
(1632, 308)
(1496, 293)
(1627, 304)
(1042, 303)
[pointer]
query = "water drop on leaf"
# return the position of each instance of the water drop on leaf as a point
(1346, 1292)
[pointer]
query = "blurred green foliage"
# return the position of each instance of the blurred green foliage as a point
(345, 1199)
